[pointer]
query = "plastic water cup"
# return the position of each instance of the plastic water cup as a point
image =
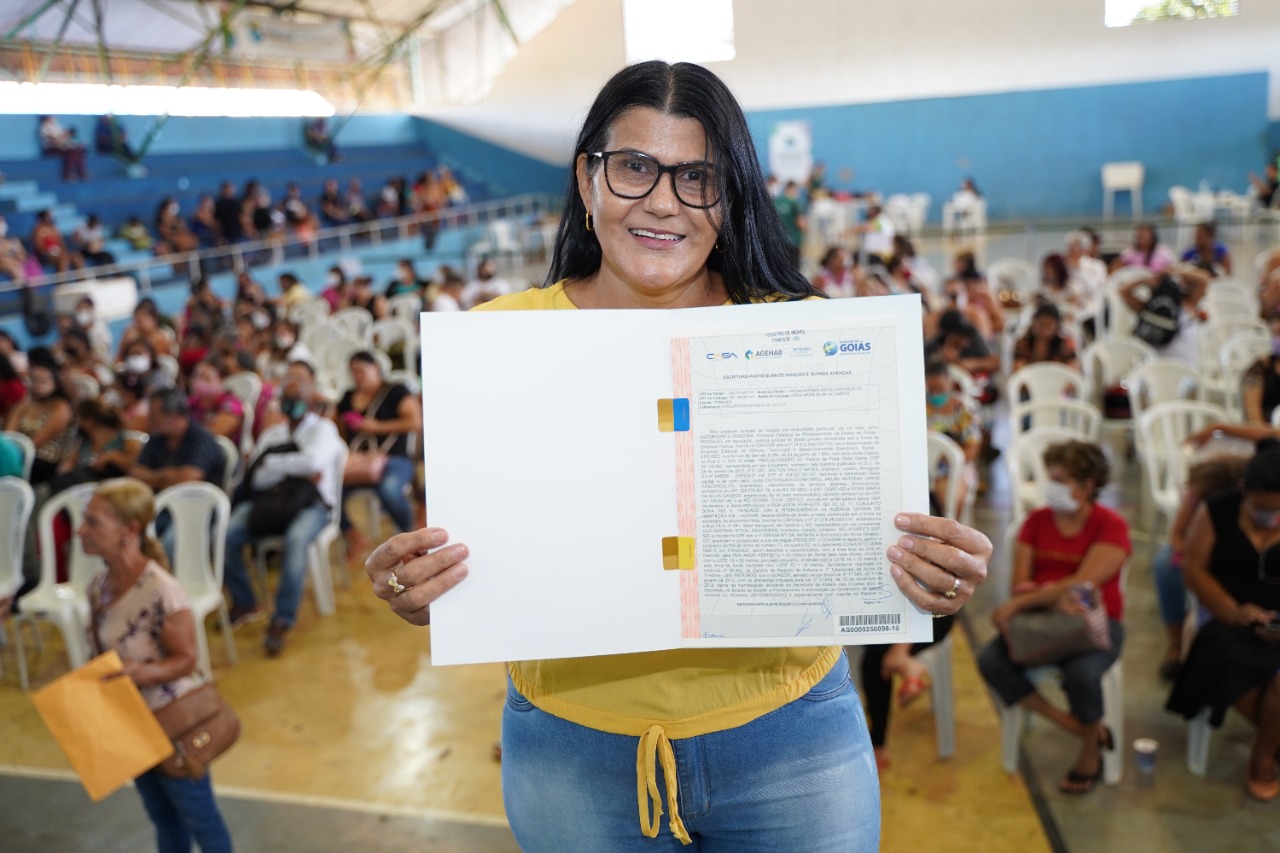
(1144, 750)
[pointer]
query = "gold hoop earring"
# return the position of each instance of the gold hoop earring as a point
(589, 228)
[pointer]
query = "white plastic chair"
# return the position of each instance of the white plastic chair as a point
(81, 387)
(318, 338)
(407, 307)
(1077, 416)
(1161, 380)
(388, 333)
(1238, 357)
(247, 388)
(941, 450)
(319, 566)
(1122, 177)
(1108, 361)
(1045, 382)
(16, 503)
(66, 605)
(963, 381)
(231, 461)
(335, 362)
(1184, 211)
(1017, 276)
(311, 313)
(1025, 461)
(1013, 721)
(199, 513)
(942, 695)
(972, 219)
(28, 452)
(411, 381)
(169, 367)
(1227, 307)
(1213, 340)
(1162, 431)
(356, 323)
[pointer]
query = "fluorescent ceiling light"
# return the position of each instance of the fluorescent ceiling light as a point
(96, 98)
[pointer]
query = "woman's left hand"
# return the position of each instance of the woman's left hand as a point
(942, 555)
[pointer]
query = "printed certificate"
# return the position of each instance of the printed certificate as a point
(641, 480)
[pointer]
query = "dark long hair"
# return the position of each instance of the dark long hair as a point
(754, 257)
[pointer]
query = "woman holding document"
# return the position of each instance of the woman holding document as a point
(141, 611)
(747, 749)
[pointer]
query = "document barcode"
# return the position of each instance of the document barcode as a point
(863, 619)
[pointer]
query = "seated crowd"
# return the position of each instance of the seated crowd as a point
(228, 393)
(230, 217)
(1070, 550)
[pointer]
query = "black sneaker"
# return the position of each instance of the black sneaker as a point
(241, 616)
(273, 641)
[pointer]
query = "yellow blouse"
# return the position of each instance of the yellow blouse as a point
(655, 696)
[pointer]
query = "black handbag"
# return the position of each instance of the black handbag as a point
(273, 509)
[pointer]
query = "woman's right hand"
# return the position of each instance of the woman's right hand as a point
(424, 564)
(1251, 614)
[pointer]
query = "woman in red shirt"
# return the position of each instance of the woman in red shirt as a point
(1071, 542)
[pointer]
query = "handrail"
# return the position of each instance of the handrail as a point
(480, 213)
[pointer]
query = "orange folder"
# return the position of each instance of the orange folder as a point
(104, 727)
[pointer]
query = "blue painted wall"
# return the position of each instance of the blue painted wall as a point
(1039, 154)
(506, 172)
(192, 134)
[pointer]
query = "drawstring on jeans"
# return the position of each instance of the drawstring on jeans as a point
(654, 745)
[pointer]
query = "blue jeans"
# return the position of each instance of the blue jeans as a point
(183, 810)
(801, 778)
(1170, 591)
(398, 475)
(297, 539)
(1081, 675)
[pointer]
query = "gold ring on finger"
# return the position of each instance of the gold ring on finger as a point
(396, 587)
(954, 591)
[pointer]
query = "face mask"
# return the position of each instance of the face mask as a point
(261, 321)
(4, 229)
(173, 210)
(1058, 497)
(137, 363)
(332, 280)
(205, 388)
(1265, 518)
(84, 318)
(284, 342)
(937, 400)
(293, 408)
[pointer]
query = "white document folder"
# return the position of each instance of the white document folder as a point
(544, 455)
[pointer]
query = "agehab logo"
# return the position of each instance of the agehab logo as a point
(763, 353)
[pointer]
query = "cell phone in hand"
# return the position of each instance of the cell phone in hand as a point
(1272, 627)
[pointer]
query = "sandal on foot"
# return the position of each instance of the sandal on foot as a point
(1076, 782)
(1262, 792)
(913, 686)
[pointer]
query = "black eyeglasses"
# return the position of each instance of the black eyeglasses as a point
(632, 175)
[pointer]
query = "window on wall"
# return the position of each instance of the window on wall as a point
(1123, 13)
(678, 30)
